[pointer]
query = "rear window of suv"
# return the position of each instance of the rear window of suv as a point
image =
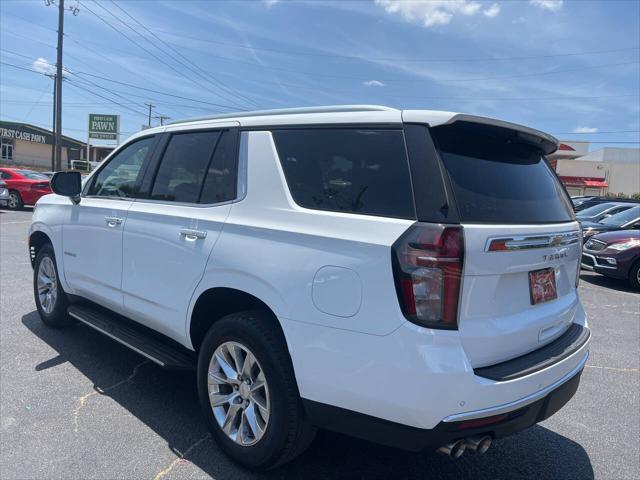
(499, 178)
(354, 170)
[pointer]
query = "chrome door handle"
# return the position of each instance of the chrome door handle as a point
(192, 235)
(113, 221)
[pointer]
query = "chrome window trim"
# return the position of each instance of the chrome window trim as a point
(528, 242)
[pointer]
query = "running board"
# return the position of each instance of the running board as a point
(144, 343)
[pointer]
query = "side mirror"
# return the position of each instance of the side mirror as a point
(606, 215)
(67, 184)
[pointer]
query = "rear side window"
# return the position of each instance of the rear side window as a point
(357, 170)
(183, 167)
(220, 182)
(498, 178)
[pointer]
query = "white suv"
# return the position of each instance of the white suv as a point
(406, 277)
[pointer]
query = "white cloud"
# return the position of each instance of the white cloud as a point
(373, 83)
(42, 65)
(585, 130)
(270, 3)
(434, 12)
(552, 5)
(492, 11)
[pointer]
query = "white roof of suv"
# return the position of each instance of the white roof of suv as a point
(351, 114)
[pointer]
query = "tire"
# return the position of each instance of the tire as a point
(50, 299)
(634, 275)
(286, 432)
(15, 200)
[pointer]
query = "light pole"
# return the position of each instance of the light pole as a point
(58, 86)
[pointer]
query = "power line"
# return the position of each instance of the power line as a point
(149, 52)
(155, 91)
(209, 77)
(195, 100)
(597, 133)
(365, 57)
(106, 98)
(400, 59)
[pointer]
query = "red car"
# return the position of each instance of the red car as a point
(25, 186)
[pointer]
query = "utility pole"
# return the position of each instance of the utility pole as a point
(162, 118)
(53, 124)
(58, 86)
(150, 107)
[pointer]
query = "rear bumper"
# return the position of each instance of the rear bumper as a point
(414, 376)
(481, 423)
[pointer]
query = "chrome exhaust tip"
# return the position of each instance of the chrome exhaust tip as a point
(479, 445)
(453, 449)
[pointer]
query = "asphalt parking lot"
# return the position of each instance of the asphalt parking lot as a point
(74, 404)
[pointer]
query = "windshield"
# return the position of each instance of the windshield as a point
(595, 210)
(32, 175)
(622, 218)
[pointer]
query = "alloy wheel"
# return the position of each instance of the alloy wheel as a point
(47, 285)
(238, 393)
(13, 200)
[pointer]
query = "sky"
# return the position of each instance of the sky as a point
(570, 68)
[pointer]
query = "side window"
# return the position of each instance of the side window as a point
(183, 167)
(4, 175)
(221, 179)
(357, 170)
(119, 178)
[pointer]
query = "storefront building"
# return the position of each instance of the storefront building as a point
(27, 145)
(607, 171)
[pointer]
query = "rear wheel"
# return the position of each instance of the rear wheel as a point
(248, 392)
(51, 301)
(634, 275)
(15, 200)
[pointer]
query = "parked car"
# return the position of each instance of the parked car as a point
(4, 194)
(579, 200)
(25, 186)
(407, 277)
(590, 202)
(601, 211)
(629, 219)
(614, 254)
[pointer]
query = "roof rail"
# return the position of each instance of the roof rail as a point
(289, 111)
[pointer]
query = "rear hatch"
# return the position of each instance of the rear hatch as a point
(521, 241)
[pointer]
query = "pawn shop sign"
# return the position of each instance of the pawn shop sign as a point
(104, 127)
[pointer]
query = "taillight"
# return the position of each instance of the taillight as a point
(427, 265)
(40, 186)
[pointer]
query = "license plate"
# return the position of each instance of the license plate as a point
(542, 285)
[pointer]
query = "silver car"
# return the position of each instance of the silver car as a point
(4, 194)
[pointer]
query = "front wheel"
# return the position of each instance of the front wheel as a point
(634, 275)
(248, 392)
(51, 301)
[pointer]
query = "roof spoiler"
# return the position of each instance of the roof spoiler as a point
(547, 143)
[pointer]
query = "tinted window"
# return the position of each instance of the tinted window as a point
(220, 181)
(498, 178)
(183, 167)
(5, 175)
(119, 178)
(595, 210)
(347, 170)
(622, 218)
